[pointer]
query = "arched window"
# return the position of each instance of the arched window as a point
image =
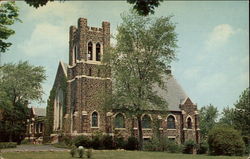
(171, 122)
(146, 121)
(94, 121)
(98, 52)
(90, 51)
(119, 121)
(189, 123)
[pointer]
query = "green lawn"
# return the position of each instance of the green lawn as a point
(111, 155)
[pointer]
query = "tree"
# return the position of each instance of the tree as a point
(227, 117)
(145, 47)
(19, 84)
(37, 3)
(8, 16)
(242, 113)
(225, 141)
(143, 7)
(208, 117)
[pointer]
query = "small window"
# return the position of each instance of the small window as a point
(31, 128)
(75, 53)
(90, 72)
(189, 123)
(90, 51)
(98, 52)
(94, 119)
(119, 121)
(146, 121)
(171, 138)
(41, 127)
(171, 122)
(98, 73)
(37, 128)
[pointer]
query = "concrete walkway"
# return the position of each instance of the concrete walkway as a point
(34, 148)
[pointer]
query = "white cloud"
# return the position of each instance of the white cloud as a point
(220, 35)
(44, 39)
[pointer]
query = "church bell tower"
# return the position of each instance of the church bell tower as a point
(87, 77)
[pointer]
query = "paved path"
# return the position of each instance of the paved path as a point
(33, 148)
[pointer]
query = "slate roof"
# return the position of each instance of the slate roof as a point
(39, 111)
(173, 94)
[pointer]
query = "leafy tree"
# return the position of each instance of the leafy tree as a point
(19, 84)
(22, 82)
(37, 3)
(145, 47)
(242, 113)
(143, 7)
(208, 117)
(225, 141)
(227, 117)
(8, 16)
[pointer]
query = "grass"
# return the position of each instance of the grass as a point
(111, 155)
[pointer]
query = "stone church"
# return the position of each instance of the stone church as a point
(77, 111)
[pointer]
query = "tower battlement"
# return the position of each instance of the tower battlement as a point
(83, 37)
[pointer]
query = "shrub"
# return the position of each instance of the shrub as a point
(152, 145)
(89, 153)
(225, 141)
(119, 142)
(73, 151)
(246, 140)
(80, 151)
(66, 140)
(132, 143)
(108, 142)
(173, 147)
(46, 139)
(97, 142)
(25, 141)
(7, 145)
(189, 146)
(82, 141)
(61, 145)
(202, 148)
(162, 144)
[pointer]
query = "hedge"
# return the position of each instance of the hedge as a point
(7, 145)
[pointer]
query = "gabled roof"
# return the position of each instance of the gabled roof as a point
(173, 94)
(65, 67)
(39, 111)
(61, 70)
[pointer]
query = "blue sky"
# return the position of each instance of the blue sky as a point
(213, 40)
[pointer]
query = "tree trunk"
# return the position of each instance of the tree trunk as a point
(140, 132)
